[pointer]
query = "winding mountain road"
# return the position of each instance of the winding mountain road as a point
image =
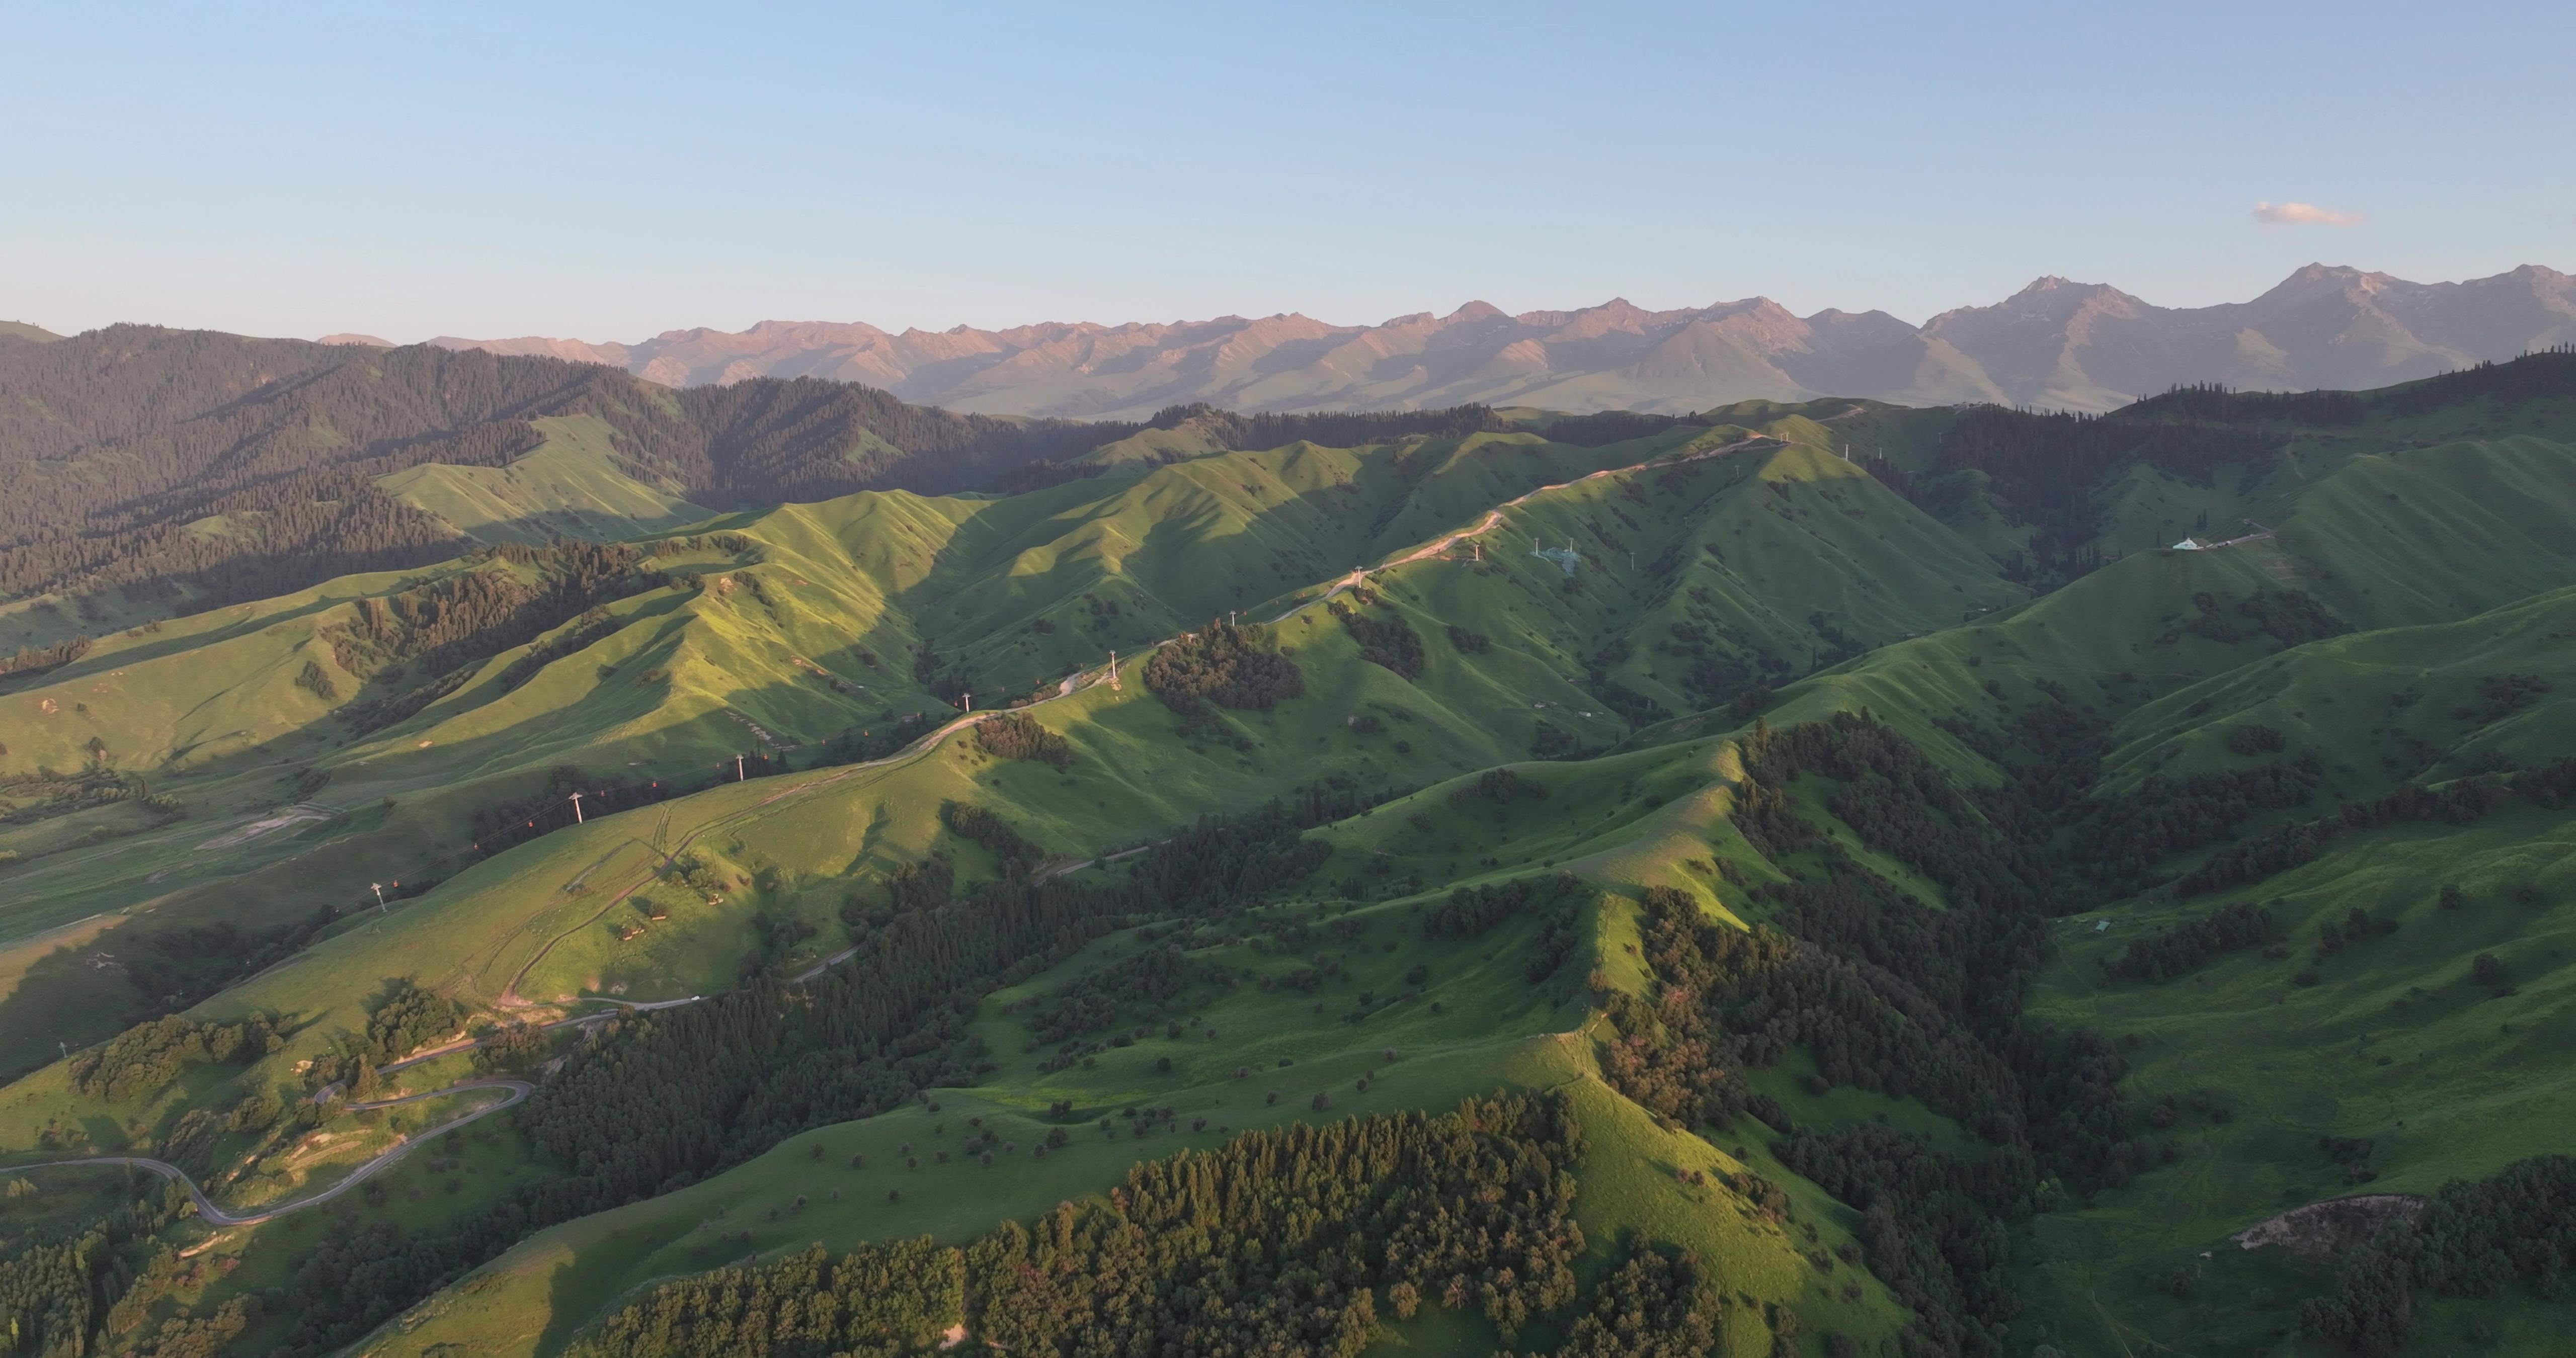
(206, 1207)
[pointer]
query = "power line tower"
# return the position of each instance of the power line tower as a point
(737, 768)
(379, 888)
(1113, 673)
(576, 810)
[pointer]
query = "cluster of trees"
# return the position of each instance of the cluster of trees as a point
(2180, 949)
(2253, 738)
(1658, 1303)
(970, 821)
(2125, 835)
(1016, 735)
(281, 440)
(921, 885)
(76, 1295)
(1471, 910)
(1225, 665)
(1639, 709)
(49, 795)
(931, 672)
(1934, 1225)
(1279, 1242)
(29, 660)
(1723, 680)
(1888, 994)
(205, 1336)
(2502, 695)
(1616, 426)
(1332, 429)
(2214, 403)
(2472, 1239)
(1228, 863)
(405, 1018)
(663, 1099)
(2291, 617)
(893, 1298)
(438, 629)
(2046, 470)
(1390, 642)
(1142, 987)
(2459, 802)
(2536, 376)
(147, 1056)
(1502, 787)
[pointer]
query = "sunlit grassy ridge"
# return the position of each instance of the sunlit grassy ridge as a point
(1705, 564)
(568, 487)
(811, 623)
(819, 637)
(1475, 1024)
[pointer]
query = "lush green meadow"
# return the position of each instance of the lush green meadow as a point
(1552, 702)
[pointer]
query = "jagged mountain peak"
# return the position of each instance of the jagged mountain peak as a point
(2057, 341)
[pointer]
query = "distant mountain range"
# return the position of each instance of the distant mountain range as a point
(2056, 343)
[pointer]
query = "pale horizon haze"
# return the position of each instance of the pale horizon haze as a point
(608, 173)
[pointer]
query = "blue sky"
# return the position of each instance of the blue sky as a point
(607, 172)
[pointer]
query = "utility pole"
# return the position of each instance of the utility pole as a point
(737, 768)
(576, 809)
(380, 896)
(970, 702)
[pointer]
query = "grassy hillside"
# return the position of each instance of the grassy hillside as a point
(569, 487)
(1472, 1023)
(2089, 926)
(2401, 704)
(2387, 1045)
(769, 635)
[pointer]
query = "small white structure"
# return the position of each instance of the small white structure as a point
(2187, 545)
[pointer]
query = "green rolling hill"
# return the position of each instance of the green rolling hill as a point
(568, 487)
(1948, 919)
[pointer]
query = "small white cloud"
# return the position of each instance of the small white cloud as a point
(2303, 214)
